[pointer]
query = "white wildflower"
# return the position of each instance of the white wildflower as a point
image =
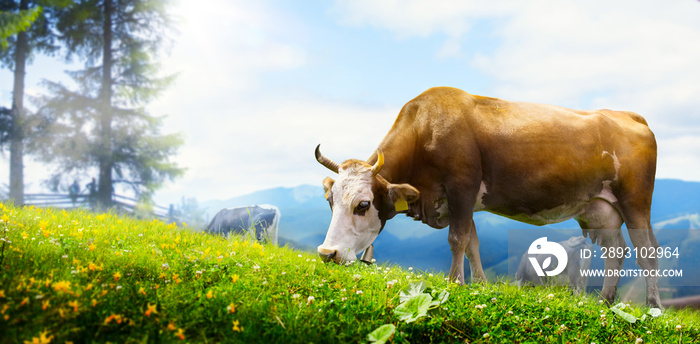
(296, 296)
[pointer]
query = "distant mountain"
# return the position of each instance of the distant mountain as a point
(306, 216)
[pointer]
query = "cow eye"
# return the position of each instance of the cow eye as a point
(361, 208)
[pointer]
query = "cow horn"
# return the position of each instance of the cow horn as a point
(330, 164)
(380, 162)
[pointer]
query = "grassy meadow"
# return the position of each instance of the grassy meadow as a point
(76, 276)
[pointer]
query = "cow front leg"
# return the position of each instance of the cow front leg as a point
(473, 255)
(463, 240)
(458, 238)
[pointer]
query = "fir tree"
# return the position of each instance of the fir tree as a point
(103, 125)
(25, 28)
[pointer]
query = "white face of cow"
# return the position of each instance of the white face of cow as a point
(355, 222)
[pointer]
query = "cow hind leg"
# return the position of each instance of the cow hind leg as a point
(644, 240)
(602, 222)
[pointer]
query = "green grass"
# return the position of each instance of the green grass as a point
(83, 277)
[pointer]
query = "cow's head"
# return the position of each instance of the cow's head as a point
(361, 201)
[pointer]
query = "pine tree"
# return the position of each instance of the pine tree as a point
(30, 22)
(103, 126)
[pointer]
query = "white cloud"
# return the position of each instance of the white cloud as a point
(275, 146)
(225, 45)
(678, 158)
(410, 18)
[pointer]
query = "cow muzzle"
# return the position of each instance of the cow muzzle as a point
(327, 255)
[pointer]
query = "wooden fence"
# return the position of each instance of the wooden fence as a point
(120, 204)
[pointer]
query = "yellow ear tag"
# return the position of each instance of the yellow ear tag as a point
(401, 204)
(327, 192)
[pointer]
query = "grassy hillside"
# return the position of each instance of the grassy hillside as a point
(82, 277)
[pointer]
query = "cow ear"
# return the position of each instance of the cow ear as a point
(402, 192)
(327, 185)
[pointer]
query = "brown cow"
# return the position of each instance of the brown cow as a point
(451, 153)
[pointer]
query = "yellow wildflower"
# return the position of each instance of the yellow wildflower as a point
(94, 302)
(180, 334)
(172, 327)
(42, 339)
(2, 292)
(210, 294)
(117, 275)
(74, 304)
(62, 286)
(141, 291)
(236, 327)
(116, 317)
(45, 305)
(92, 247)
(43, 224)
(234, 278)
(151, 309)
(5, 218)
(231, 308)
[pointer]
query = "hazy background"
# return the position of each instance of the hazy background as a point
(262, 82)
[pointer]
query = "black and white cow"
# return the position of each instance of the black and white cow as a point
(264, 219)
(571, 274)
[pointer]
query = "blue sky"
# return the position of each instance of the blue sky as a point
(262, 82)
